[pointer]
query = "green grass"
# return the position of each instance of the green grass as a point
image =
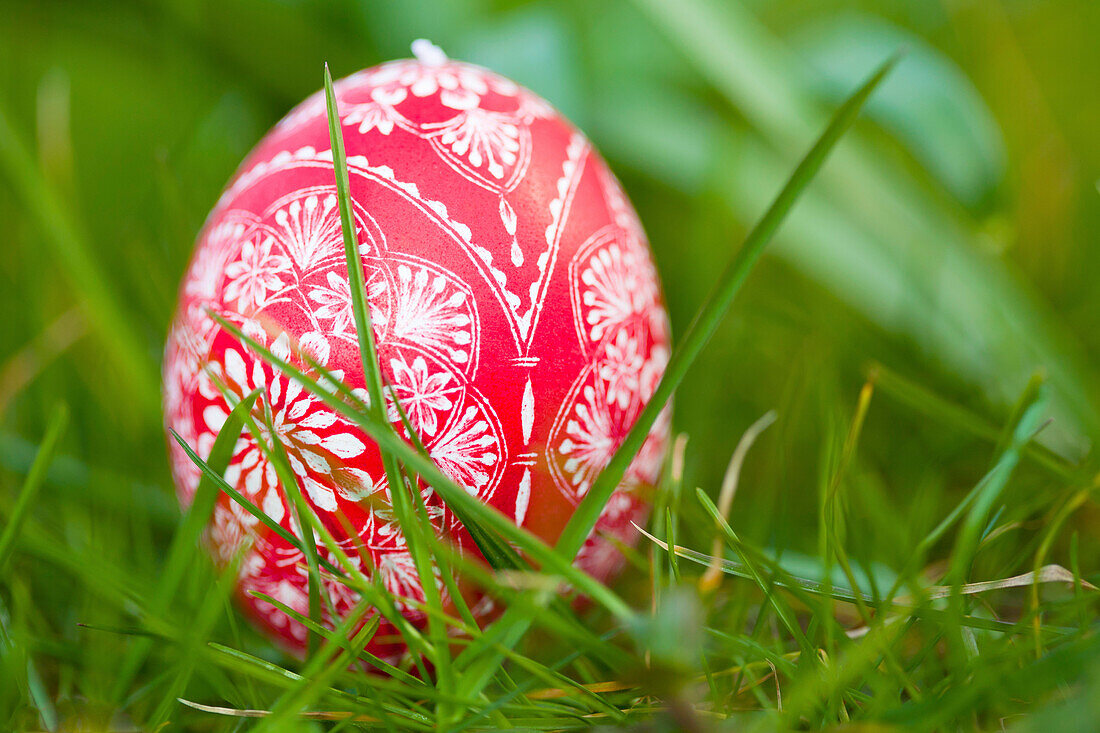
(910, 546)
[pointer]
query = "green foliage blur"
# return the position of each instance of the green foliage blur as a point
(139, 112)
(952, 240)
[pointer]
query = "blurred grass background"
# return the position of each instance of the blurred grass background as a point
(953, 238)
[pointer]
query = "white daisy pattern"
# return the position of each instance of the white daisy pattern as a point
(256, 274)
(289, 414)
(589, 440)
(620, 369)
(614, 294)
(334, 301)
(468, 451)
(378, 113)
(616, 288)
(422, 393)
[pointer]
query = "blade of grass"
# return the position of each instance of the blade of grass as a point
(33, 482)
(321, 670)
(667, 497)
(185, 540)
(929, 403)
(833, 510)
(361, 654)
(382, 598)
(704, 324)
(233, 659)
(710, 579)
(712, 312)
(784, 611)
(466, 507)
(835, 543)
(969, 308)
(1023, 403)
(411, 527)
(1053, 527)
(302, 511)
(245, 504)
(16, 654)
(990, 485)
(197, 631)
(1028, 423)
(816, 587)
(670, 533)
(254, 713)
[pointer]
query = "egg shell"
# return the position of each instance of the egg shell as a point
(515, 304)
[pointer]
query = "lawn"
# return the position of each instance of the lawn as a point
(878, 511)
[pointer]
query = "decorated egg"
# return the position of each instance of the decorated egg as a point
(517, 312)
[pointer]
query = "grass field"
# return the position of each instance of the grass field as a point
(906, 537)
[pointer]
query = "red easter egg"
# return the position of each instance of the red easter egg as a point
(518, 316)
